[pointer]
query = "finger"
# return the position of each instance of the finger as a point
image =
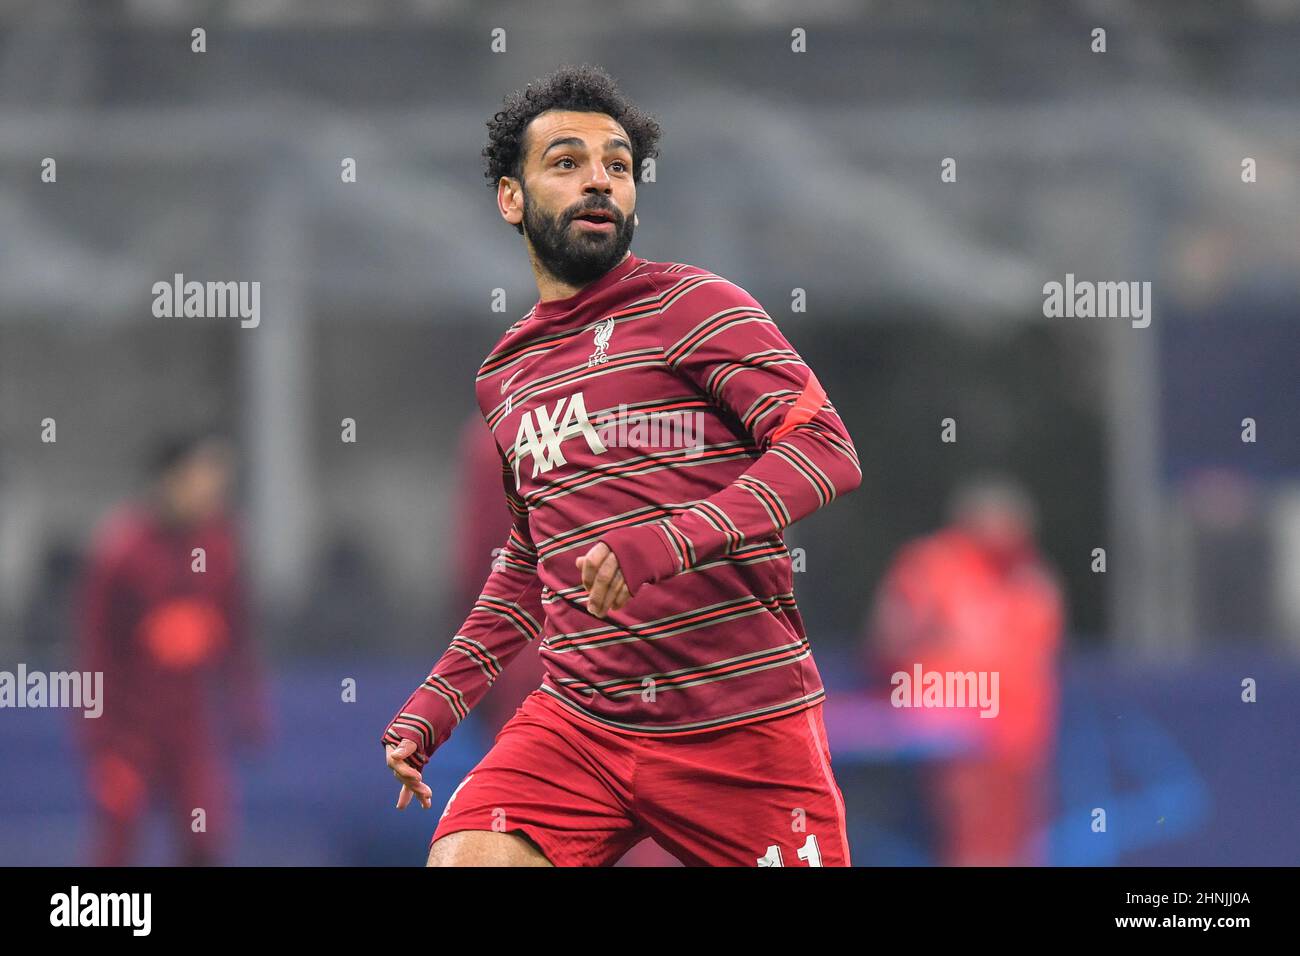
(623, 596)
(612, 595)
(584, 570)
(600, 587)
(415, 788)
(403, 771)
(595, 589)
(591, 561)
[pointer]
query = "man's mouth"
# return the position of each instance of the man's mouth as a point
(596, 219)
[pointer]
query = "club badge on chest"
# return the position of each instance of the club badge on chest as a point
(603, 332)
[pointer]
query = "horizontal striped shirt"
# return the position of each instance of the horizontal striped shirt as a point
(661, 411)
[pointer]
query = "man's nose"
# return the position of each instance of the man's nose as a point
(599, 178)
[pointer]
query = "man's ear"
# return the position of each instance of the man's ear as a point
(509, 187)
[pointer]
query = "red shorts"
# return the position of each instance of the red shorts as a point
(754, 795)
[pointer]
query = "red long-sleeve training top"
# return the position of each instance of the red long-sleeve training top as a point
(659, 410)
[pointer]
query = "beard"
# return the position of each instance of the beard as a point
(571, 254)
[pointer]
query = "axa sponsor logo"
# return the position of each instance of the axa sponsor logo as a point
(544, 430)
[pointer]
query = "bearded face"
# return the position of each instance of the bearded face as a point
(578, 244)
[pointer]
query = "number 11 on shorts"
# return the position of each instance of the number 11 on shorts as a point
(808, 852)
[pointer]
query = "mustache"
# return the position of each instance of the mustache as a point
(603, 207)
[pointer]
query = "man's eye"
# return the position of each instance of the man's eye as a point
(564, 159)
(619, 162)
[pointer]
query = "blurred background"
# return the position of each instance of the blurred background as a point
(783, 171)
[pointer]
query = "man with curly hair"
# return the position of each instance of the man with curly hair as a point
(680, 700)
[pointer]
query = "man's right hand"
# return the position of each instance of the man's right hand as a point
(408, 775)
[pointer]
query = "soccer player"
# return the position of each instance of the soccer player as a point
(680, 701)
(166, 624)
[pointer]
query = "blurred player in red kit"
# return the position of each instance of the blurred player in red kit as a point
(977, 596)
(162, 617)
(646, 562)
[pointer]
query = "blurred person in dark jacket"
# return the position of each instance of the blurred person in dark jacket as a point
(977, 596)
(163, 617)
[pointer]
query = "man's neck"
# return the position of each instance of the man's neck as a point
(550, 288)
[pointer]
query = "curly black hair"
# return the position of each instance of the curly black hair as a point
(583, 88)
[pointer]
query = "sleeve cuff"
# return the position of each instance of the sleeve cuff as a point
(644, 555)
(395, 736)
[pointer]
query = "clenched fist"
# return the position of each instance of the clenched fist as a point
(601, 576)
